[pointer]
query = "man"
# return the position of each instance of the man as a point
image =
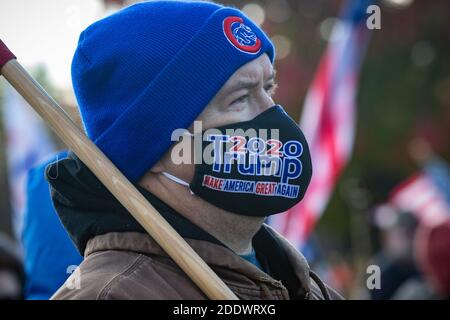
(140, 76)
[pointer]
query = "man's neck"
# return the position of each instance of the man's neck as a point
(233, 230)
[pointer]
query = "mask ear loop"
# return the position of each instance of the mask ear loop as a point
(177, 180)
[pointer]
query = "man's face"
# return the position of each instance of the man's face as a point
(246, 94)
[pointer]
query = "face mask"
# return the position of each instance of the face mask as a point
(256, 168)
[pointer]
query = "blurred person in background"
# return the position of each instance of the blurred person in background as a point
(432, 251)
(395, 257)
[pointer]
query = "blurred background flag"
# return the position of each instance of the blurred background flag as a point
(420, 195)
(27, 143)
(328, 119)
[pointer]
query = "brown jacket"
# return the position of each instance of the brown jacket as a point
(131, 265)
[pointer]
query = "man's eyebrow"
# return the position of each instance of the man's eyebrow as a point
(249, 83)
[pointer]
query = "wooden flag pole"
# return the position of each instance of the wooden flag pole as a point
(123, 190)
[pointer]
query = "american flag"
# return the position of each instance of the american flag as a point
(328, 119)
(422, 197)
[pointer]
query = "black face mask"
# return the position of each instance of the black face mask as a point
(260, 169)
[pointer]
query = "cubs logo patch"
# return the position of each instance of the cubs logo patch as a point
(240, 35)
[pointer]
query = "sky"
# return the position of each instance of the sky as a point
(46, 32)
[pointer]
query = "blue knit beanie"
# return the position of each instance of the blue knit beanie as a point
(152, 68)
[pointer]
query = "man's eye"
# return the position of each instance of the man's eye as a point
(240, 99)
(271, 88)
